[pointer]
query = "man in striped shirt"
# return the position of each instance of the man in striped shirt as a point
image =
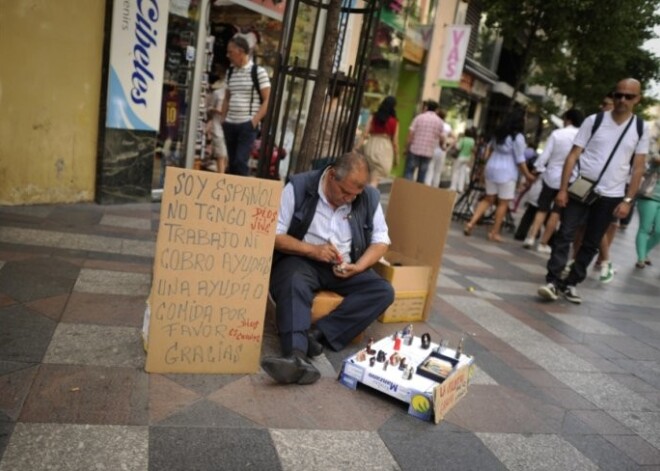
(424, 135)
(244, 106)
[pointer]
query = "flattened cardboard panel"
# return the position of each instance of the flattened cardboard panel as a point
(418, 218)
(211, 272)
(447, 394)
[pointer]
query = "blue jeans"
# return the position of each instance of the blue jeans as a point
(597, 218)
(239, 138)
(413, 162)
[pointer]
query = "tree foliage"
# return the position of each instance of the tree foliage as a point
(579, 48)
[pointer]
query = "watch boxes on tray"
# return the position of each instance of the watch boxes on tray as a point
(437, 366)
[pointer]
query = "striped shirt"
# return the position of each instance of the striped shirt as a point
(244, 100)
(427, 128)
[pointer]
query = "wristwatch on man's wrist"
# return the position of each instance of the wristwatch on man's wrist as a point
(627, 200)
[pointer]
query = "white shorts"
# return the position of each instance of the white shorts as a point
(504, 191)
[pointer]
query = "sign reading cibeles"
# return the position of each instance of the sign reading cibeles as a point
(137, 58)
(211, 272)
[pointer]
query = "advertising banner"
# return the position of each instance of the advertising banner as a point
(453, 54)
(137, 57)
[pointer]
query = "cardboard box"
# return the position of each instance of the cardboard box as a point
(324, 303)
(418, 218)
(410, 280)
(427, 399)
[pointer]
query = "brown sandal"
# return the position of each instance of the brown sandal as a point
(467, 229)
(495, 237)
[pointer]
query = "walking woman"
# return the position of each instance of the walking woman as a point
(505, 160)
(459, 171)
(648, 205)
(381, 138)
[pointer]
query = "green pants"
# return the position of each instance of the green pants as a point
(648, 234)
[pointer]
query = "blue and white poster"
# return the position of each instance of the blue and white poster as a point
(137, 56)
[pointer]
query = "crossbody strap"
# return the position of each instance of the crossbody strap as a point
(616, 146)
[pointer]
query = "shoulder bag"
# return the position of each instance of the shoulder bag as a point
(583, 189)
(649, 181)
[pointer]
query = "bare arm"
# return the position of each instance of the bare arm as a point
(526, 173)
(261, 112)
(395, 144)
(225, 104)
(639, 164)
(409, 139)
(562, 196)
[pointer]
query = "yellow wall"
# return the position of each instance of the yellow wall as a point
(50, 81)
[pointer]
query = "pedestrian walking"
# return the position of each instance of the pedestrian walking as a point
(600, 162)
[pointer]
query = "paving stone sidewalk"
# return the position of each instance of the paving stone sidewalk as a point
(557, 386)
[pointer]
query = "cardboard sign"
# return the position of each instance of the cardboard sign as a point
(447, 394)
(211, 272)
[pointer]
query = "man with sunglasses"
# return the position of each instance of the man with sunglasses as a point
(613, 199)
(330, 231)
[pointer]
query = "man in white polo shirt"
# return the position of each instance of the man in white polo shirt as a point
(550, 165)
(244, 106)
(593, 152)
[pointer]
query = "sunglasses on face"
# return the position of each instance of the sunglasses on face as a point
(627, 96)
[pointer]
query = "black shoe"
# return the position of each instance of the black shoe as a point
(314, 345)
(291, 369)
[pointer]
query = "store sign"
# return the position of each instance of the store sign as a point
(453, 54)
(417, 41)
(137, 57)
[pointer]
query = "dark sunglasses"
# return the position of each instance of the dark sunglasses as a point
(627, 96)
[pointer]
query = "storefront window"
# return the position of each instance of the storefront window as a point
(177, 82)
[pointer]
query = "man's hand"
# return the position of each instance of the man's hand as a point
(345, 270)
(561, 199)
(622, 209)
(327, 253)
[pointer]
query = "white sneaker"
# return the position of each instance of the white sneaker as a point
(548, 292)
(529, 243)
(544, 248)
(606, 272)
(571, 294)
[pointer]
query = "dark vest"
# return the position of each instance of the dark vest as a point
(361, 217)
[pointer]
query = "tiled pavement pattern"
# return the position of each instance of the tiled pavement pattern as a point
(558, 386)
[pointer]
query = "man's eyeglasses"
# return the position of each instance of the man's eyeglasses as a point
(627, 96)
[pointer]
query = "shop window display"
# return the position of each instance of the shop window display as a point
(178, 73)
(385, 64)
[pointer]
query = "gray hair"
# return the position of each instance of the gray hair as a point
(241, 43)
(350, 162)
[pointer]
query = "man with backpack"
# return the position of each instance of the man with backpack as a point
(598, 164)
(245, 104)
(330, 231)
